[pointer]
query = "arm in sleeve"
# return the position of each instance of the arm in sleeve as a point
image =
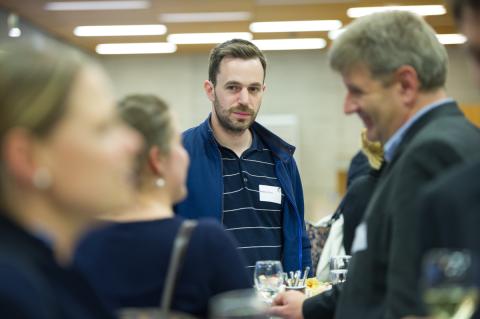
(322, 305)
(298, 191)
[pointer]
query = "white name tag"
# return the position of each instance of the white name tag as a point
(360, 240)
(270, 194)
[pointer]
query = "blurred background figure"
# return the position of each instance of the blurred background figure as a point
(334, 236)
(66, 158)
(449, 207)
(127, 260)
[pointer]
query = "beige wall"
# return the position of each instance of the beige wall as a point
(298, 83)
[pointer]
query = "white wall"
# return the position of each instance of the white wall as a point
(298, 83)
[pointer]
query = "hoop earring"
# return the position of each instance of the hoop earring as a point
(42, 178)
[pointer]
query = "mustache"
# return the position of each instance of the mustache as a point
(242, 108)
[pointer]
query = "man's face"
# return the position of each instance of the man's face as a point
(377, 105)
(237, 95)
(470, 27)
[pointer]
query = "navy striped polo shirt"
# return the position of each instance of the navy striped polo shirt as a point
(252, 202)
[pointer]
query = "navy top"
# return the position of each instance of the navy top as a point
(34, 286)
(127, 264)
(252, 202)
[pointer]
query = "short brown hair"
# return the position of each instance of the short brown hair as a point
(236, 48)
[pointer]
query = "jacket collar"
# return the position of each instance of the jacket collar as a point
(279, 147)
(447, 109)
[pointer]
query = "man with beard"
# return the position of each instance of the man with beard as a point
(241, 173)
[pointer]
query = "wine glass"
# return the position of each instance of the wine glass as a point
(448, 284)
(268, 278)
(339, 268)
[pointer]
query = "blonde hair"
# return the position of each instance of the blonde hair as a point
(151, 117)
(34, 85)
(372, 150)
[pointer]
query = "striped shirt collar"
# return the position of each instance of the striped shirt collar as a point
(392, 144)
(256, 143)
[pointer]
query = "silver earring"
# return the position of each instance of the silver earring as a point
(41, 178)
(160, 182)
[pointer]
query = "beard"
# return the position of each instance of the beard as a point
(233, 125)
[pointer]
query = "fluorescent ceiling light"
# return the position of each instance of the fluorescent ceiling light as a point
(119, 30)
(14, 32)
(296, 26)
(204, 17)
(290, 44)
(332, 35)
(96, 5)
(423, 10)
(136, 48)
(451, 38)
(199, 38)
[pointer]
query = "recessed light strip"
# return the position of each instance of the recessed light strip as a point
(296, 26)
(204, 17)
(96, 5)
(451, 38)
(119, 30)
(290, 44)
(201, 38)
(136, 48)
(423, 10)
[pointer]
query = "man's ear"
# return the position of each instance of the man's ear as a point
(409, 84)
(209, 90)
(19, 155)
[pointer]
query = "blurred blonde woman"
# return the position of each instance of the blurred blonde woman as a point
(127, 261)
(65, 159)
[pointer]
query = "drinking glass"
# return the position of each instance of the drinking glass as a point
(268, 278)
(339, 268)
(448, 284)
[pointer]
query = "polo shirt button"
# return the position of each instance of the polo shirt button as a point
(245, 179)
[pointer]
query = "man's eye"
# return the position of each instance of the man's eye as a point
(254, 89)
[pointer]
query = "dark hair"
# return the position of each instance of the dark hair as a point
(149, 116)
(236, 48)
(458, 6)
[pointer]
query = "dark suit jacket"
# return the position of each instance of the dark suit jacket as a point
(354, 205)
(383, 279)
(34, 286)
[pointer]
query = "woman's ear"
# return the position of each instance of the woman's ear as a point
(19, 156)
(155, 160)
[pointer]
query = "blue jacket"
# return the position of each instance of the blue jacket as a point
(205, 188)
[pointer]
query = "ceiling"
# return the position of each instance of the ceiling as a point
(62, 23)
